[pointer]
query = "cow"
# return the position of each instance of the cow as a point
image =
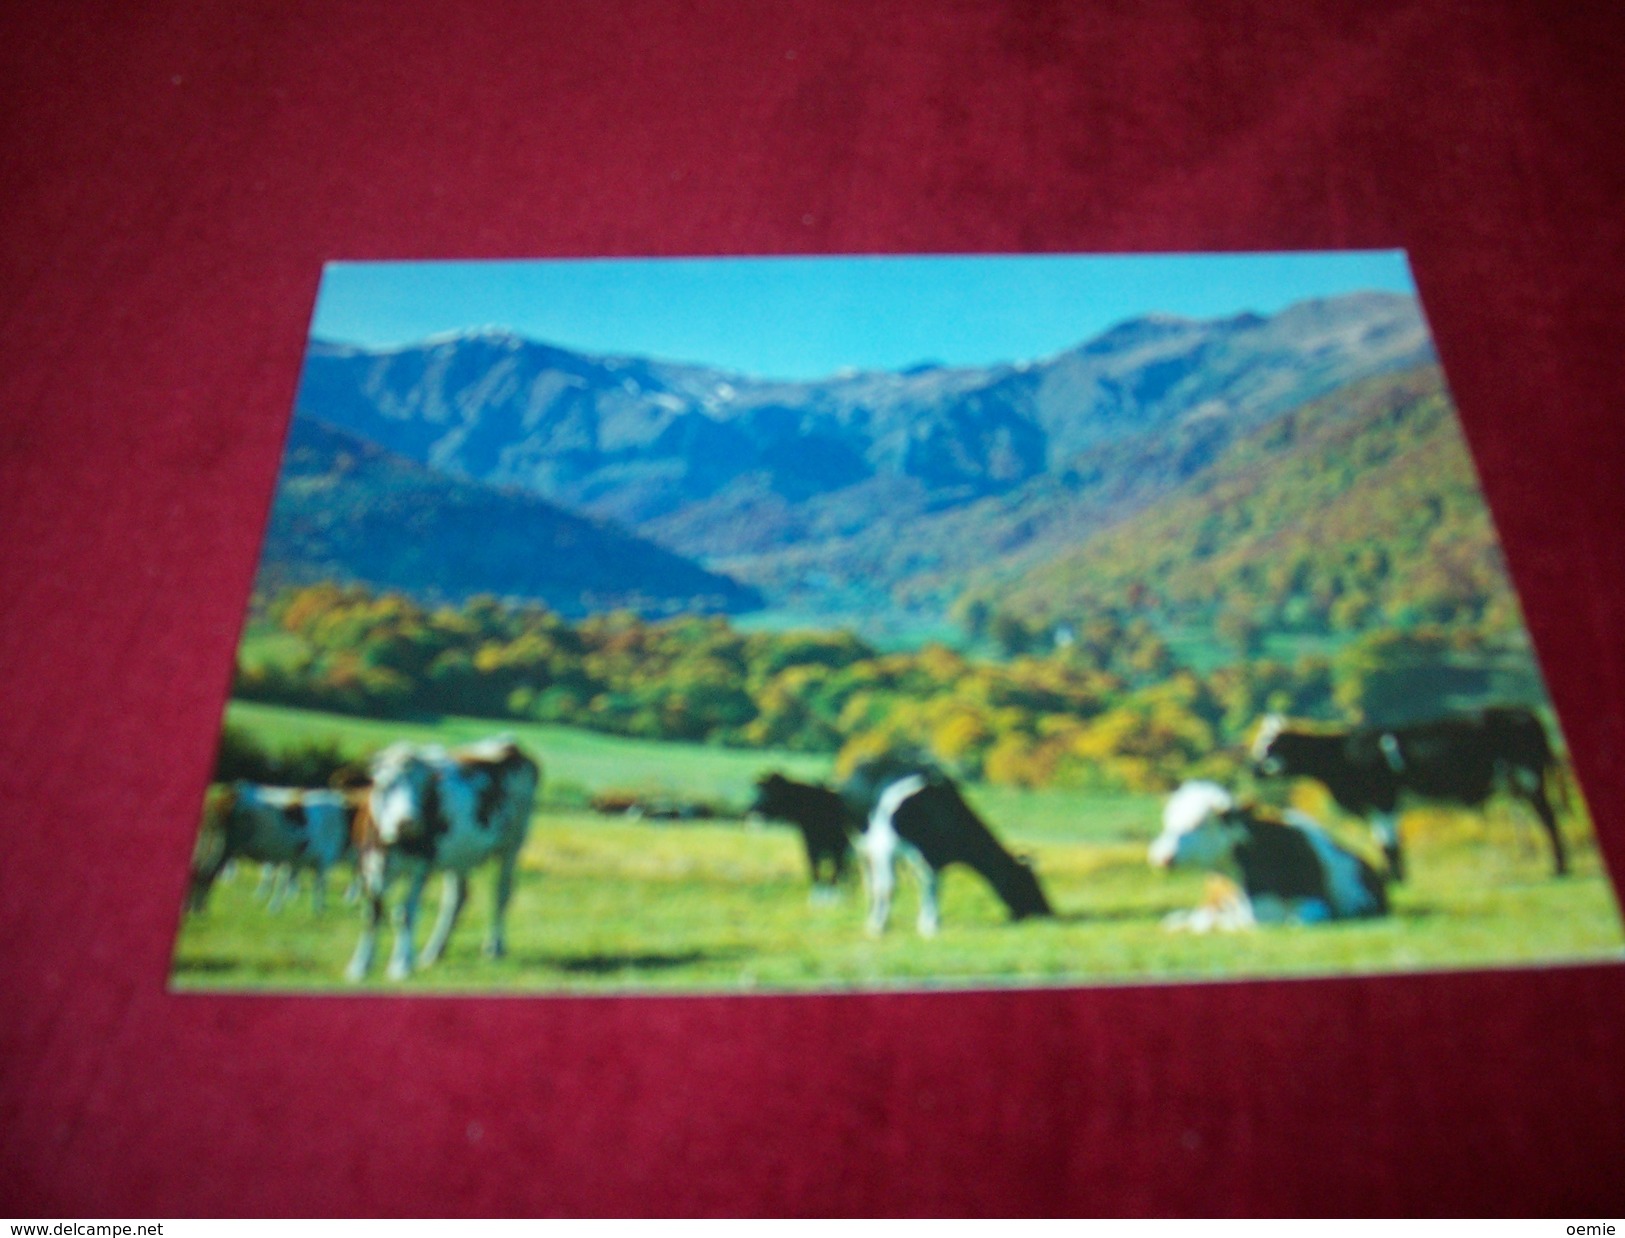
(286, 827)
(826, 824)
(1459, 760)
(915, 812)
(1286, 870)
(448, 810)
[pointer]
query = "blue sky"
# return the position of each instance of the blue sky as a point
(809, 317)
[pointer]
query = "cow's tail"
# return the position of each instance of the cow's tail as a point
(1554, 772)
(1524, 744)
(1534, 769)
(1563, 782)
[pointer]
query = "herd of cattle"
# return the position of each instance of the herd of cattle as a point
(422, 808)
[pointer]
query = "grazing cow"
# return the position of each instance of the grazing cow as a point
(285, 827)
(825, 822)
(1287, 871)
(916, 813)
(1460, 760)
(432, 809)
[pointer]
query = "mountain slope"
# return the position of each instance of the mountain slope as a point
(348, 510)
(1355, 508)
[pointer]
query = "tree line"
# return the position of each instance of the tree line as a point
(1107, 705)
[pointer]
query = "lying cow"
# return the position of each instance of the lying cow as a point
(1287, 871)
(917, 814)
(286, 827)
(824, 820)
(432, 809)
(1460, 760)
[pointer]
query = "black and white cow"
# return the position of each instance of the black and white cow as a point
(916, 814)
(288, 828)
(1460, 760)
(1284, 871)
(429, 809)
(824, 820)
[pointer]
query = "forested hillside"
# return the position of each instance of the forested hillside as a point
(1356, 511)
(346, 510)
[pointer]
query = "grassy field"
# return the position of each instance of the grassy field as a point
(611, 905)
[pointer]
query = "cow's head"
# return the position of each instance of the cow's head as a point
(773, 796)
(403, 800)
(350, 777)
(1198, 829)
(209, 856)
(1022, 893)
(1267, 762)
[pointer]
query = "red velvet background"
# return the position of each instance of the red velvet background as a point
(173, 174)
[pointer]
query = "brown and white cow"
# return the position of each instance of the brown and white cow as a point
(449, 810)
(287, 827)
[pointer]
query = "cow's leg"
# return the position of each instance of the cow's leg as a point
(273, 886)
(361, 960)
(813, 857)
(371, 880)
(406, 919)
(930, 917)
(878, 857)
(496, 941)
(826, 872)
(318, 889)
(842, 857)
(453, 892)
(1385, 826)
(1548, 819)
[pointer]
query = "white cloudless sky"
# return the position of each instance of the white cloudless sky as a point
(810, 317)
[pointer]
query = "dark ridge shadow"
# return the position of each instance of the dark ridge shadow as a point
(608, 964)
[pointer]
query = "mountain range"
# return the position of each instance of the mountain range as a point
(862, 493)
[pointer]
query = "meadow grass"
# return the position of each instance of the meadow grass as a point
(612, 905)
(574, 761)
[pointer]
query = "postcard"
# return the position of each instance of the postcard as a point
(875, 623)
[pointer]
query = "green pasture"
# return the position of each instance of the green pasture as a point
(611, 905)
(575, 762)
